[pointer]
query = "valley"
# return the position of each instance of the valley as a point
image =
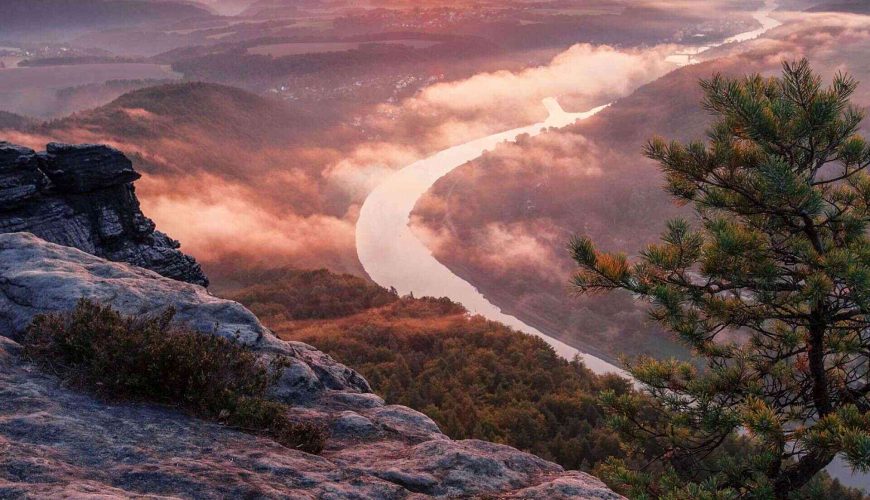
(457, 205)
(394, 257)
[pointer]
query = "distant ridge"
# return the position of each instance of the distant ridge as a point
(188, 111)
(17, 122)
(850, 6)
(24, 16)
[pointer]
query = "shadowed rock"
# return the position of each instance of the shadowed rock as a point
(20, 176)
(82, 196)
(87, 167)
(56, 443)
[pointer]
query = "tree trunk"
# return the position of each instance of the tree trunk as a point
(816, 355)
(796, 476)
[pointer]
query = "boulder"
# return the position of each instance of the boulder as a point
(57, 443)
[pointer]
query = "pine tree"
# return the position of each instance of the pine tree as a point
(770, 287)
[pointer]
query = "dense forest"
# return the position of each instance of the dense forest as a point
(476, 378)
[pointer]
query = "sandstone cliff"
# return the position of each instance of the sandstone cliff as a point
(82, 196)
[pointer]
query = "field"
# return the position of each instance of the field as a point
(297, 48)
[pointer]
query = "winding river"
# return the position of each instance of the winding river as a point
(394, 257)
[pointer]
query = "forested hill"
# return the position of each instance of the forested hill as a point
(475, 378)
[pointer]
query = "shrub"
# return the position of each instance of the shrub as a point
(151, 359)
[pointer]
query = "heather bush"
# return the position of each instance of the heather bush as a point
(152, 359)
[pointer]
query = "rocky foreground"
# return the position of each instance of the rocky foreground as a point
(56, 442)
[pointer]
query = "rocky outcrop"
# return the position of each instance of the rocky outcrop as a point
(55, 442)
(38, 277)
(82, 196)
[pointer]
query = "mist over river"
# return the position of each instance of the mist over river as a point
(394, 257)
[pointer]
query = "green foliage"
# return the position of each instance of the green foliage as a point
(148, 359)
(770, 290)
(478, 379)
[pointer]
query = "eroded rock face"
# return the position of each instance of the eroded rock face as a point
(82, 196)
(55, 442)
